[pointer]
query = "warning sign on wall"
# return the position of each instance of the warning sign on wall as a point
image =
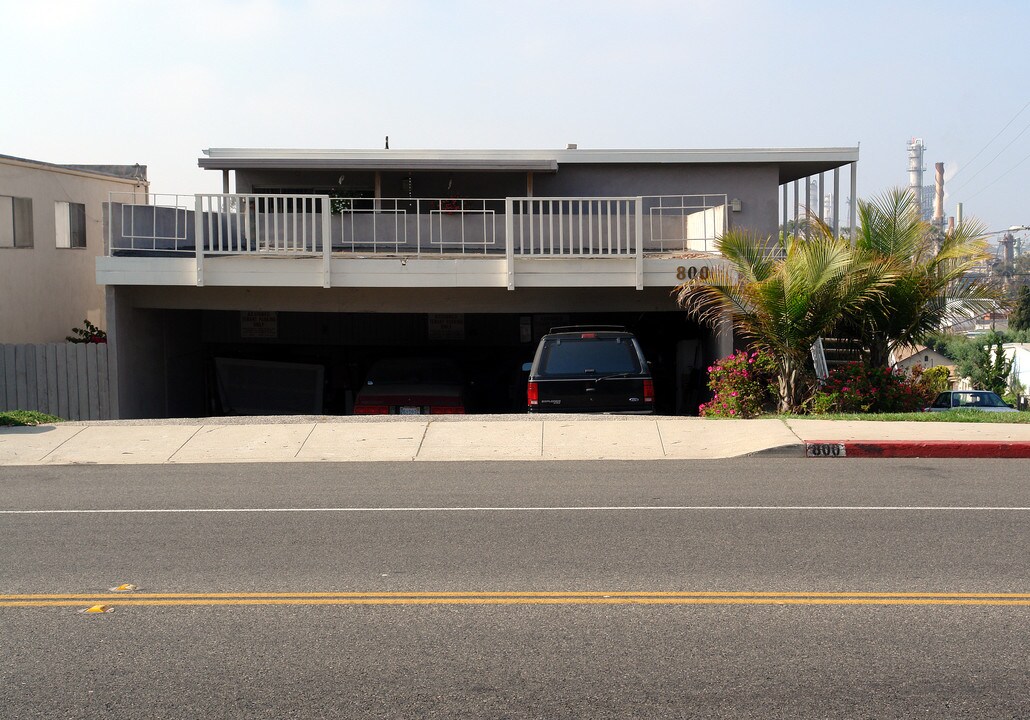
(256, 324)
(446, 326)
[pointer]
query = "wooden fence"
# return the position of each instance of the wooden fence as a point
(70, 380)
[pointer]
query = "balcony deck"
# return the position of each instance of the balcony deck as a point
(305, 240)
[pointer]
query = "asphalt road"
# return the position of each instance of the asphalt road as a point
(757, 588)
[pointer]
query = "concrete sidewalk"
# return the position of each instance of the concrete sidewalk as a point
(497, 437)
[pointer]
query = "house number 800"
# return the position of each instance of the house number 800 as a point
(689, 273)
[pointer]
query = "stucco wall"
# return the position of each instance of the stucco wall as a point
(45, 291)
(756, 186)
(158, 360)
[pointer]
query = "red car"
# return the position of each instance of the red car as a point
(412, 386)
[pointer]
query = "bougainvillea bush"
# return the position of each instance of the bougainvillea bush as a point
(742, 385)
(856, 388)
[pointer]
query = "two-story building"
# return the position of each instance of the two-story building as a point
(278, 293)
(51, 232)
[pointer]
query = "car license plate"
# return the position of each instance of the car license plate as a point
(408, 410)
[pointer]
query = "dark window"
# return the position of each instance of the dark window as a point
(989, 399)
(341, 200)
(77, 224)
(15, 222)
(588, 356)
(70, 224)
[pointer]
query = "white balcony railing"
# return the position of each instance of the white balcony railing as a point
(150, 223)
(320, 225)
(297, 224)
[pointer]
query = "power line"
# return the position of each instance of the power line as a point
(980, 151)
(962, 185)
(998, 179)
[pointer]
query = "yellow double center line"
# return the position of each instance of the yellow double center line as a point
(517, 598)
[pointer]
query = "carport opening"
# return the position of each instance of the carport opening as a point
(257, 363)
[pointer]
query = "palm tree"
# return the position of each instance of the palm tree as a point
(783, 295)
(937, 280)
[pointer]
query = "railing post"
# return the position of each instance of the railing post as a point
(639, 211)
(110, 223)
(327, 241)
(418, 227)
(725, 223)
(509, 240)
(198, 236)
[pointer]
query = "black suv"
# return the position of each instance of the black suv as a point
(597, 369)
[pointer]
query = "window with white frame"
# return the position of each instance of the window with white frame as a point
(15, 222)
(70, 221)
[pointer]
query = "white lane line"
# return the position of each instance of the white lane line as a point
(591, 508)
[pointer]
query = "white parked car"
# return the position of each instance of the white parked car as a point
(969, 400)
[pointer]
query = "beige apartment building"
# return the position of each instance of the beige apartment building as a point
(51, 232)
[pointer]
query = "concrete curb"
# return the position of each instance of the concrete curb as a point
(917, 449)
(502, 437)
(796, 450)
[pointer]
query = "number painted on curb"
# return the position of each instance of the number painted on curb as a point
(826, 450)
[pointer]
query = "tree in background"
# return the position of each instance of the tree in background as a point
(981, 359)
(783, 295)
(935, 279)
(1019, 319)
(989, 369)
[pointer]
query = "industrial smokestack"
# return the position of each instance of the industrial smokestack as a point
(938, 198)
(1008, 243)
(915, 171)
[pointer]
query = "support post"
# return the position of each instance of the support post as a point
(198, 237)
(783, 190)
(639, 212)
(509, 241)
(327, 241)
(797, 204)
(854, 200)
(836, 202)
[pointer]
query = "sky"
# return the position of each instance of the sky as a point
(155, 83)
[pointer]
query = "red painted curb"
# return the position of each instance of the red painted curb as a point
(918, 448)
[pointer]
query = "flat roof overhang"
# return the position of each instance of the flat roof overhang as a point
(793, 163)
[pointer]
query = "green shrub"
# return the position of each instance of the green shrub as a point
(936, 379)
(742, 385)
(856, 388)
(26, 417)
